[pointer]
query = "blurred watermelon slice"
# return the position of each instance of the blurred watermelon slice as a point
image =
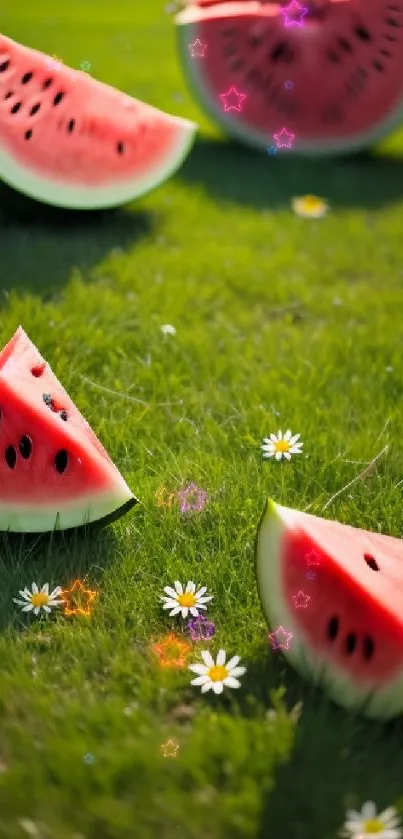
(345, 62)
(54, 472)
(69, 140)
(337, 591)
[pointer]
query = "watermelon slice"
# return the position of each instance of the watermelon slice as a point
(69, 140)
(54, 472)
(335, 593)
(344, 59)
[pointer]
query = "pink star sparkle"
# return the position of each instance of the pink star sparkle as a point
(292, 12)
(197, 49)
(284, 139)
(232, 100)
(186, 495)
(312, 559)
(280, 639)
(301, 600)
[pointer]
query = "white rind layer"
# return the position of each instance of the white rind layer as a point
(383, 703)
(50, 191)
(15, 518)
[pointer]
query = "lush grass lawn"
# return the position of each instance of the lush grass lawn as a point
(280, 322)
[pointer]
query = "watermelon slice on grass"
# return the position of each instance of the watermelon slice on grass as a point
(54, 472)
(71, 141)
(338, 591)
(345, 63)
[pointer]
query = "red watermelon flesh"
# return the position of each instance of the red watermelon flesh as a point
(69, 140)
(345, 64)
(347, 619)
(54, 472)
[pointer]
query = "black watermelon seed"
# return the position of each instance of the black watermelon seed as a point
(10, 455)
(63, 415)
(25, 447)
(61, 461)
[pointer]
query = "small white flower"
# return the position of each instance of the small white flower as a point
(309, 206)
(367, 824)
(216, 676)
(281, 446)
(168, 329)
(35, 600)
(186, 601)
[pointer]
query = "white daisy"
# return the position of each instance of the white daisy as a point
(216, 676)
(309, 206)
(366, 824)
(186, 601)
(281, 446)
(168, 329)
(35, 600)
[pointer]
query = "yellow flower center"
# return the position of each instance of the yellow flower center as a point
(282, 446)
(312, 203)
(218, 673)
(188, 599)
(40, 599)
(373, 826)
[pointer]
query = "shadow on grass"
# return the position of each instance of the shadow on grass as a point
(348, 758)
(234, 173)
(59, 558)
(41, 245)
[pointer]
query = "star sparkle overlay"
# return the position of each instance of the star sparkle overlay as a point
(301, 600)
(201, 629)
(197, 49)
(293, 15)
(172, 652)
(311, 575)
(164, 498)
(280, 639)
(233, 100)
(170, 748)
(192, 499)
(272, 150)
(312, 559)
(78, 599)
(284, 139)
(289, 85)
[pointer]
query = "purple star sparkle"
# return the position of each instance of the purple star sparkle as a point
(185, 497)
(201, 629)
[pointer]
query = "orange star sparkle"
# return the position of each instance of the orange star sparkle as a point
(78, 599)
(170, 748)
(172, 651)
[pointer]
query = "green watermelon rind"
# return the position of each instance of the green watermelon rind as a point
(187, 32)
(384, 703)
(48, 191)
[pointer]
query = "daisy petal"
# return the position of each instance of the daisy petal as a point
(190, 587)
(294, 438)
(27, 608)
(45, 588)
(34, 588)
(287, 435)
(231, 682)
(200, 669)
(221, 656)
(178, 587)
(194, 612)
(200, 680)
(278, 455)
(175, 611)
(47, 609)
(207, 687)
(233, 662)
(273, 438)
(170, 591)
(201, 591)
(368, 810)
(184, 611)
(218, 687)
(287, 455)
(207, 658)
(238, 671)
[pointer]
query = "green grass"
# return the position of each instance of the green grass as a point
(280, 322)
